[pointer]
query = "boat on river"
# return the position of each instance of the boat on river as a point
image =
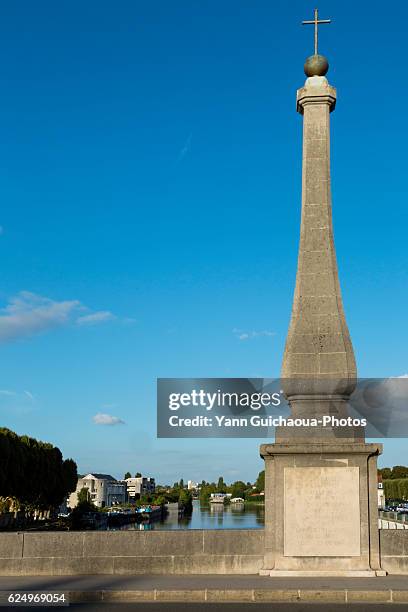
(218, 498)
(150, 513)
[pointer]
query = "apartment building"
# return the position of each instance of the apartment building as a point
(104, 490)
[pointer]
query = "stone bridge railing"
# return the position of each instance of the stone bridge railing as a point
(132, 552)
(156, 552)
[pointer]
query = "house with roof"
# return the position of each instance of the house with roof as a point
(104, 490)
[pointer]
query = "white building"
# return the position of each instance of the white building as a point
(104, 490)
(136, 487)
(191, 485)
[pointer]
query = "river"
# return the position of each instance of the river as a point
(210, 516)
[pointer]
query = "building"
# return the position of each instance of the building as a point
(191, 485)
(136, 487)
(104, 490)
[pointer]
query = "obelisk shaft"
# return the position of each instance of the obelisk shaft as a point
(318, 363)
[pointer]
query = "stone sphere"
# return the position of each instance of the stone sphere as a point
(316, 65)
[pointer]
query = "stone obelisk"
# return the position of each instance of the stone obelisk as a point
(321, 516)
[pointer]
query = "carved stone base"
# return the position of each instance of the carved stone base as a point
(321, 514)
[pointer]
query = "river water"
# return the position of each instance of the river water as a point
(210, 516)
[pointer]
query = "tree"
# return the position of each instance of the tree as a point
(181, 483)
(221, 486)
(84, 495)
(34, 472)
(70, 475)
(84, 506)
(205, 492)
(160, 500)
(186, 501)
(146, 498)
(396, 489)
(260, 482)
(127, 475)
(173, 494)
(399, 471)
(238, 489)
(138, 475)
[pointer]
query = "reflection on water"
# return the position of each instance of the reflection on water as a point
(210, 516)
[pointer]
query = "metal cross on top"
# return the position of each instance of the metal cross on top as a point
(316, 21)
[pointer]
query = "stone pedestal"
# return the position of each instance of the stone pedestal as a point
(321, 515)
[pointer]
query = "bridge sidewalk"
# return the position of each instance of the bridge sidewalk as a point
(136, 588)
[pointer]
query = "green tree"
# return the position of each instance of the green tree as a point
(127, 475)
(221, 486)
(84, 495)
(205, 492)
(260, 482)
(172, 495)
(84, 506)
(138, 475)
(34, 472)
(238, 489)
(181, 483)
(399, 471)
(69, 476)
(396, 489)
(186, 501)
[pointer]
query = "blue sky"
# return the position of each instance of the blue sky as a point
(150, 182)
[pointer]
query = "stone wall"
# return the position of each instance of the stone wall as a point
(394, 550)
(156, 552)
(131, 552)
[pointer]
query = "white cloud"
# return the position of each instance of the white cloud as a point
(28, 314)
(7, 392)
(29, 395)
(242, 335)
(106, 419)
(95, 318)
